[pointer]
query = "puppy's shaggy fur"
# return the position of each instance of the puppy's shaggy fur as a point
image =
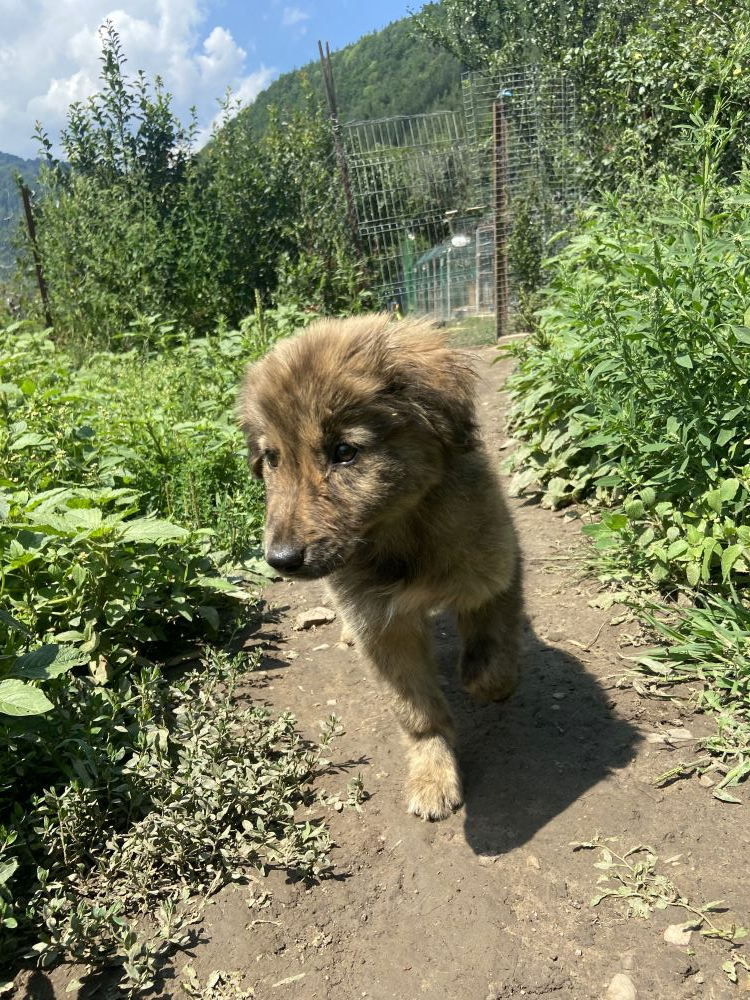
(365, 434)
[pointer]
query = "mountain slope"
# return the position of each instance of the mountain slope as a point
(386, 73)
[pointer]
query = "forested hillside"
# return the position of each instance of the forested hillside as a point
(10, 203)
(390, 72)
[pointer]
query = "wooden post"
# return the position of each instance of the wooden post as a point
(325, 62)
(26, 199)
(500, 135)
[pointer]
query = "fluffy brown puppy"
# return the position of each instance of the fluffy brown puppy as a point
(365, 433)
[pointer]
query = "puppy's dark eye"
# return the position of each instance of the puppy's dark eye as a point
(344, 454)
(271, 458)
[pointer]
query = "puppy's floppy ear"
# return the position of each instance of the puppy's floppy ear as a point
(250, 425)
(433, 383)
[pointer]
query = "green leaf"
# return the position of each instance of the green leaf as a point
(684, 361)
(693, 574)
(713, 499)
(616, 522)
(725, 435)
(609, 481)
(646, 538)
(640, 907)
(729, 557)
(11, 622)
(731, 971)
(48, 661)
(728, 489)
(152, 530)
(724, 796)
(29, 441)
(710, 546)
(211, 615)
(677, 548)
(21, 699)
(7, 869)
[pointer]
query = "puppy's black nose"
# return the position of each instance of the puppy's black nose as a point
(285, 558)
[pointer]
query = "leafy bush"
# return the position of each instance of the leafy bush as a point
(127, 797)
(93, 479)
(630, 62)
(631, 72)
(77, 569)
(637, 379)
(94, 569)
(632, 395)
(130, 803)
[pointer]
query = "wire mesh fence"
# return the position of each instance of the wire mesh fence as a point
(406, 174)
(447, 202)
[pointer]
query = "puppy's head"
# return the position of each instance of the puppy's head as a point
(350, 424)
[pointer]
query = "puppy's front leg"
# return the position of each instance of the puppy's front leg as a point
(400, 651)
(491, 633)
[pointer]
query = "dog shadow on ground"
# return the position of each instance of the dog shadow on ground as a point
(525, 761)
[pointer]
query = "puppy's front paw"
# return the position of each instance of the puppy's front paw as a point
(434, 799)
(347, 636)
(434, 785)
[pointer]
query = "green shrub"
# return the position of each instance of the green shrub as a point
(125, 807)
(638, 376)
(632, 394)
(127, 797)
(123, 492)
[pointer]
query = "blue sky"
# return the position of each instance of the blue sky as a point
(49, 50)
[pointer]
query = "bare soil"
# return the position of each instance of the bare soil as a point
(493, 902)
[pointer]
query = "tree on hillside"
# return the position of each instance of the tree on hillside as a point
(485, 34)
(384, 74)
(630, 61)
(136, 230)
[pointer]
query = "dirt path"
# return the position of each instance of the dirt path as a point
(493, 902)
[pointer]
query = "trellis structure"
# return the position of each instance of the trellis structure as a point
(426, 196)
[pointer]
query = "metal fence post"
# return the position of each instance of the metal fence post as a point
(500, 170)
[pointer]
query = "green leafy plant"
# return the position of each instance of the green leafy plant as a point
(630, 396)
(143, 241)
(164, 791)
(632, 876)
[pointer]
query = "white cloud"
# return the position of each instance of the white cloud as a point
(221, 58)
(294, 17)
(50, 50)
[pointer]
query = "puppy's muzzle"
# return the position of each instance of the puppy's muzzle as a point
(285, 558)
